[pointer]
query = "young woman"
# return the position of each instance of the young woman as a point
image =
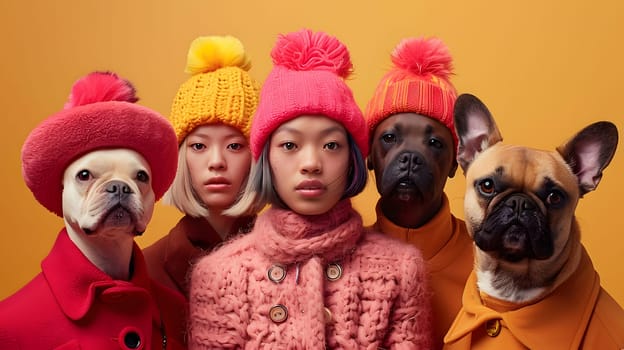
(309, 276)
(211, 115)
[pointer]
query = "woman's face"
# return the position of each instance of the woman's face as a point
(219, 159)
(309, 159)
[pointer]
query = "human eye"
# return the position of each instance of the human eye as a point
(332, 146)
(235, 146)
(288, 145)
(197, 146)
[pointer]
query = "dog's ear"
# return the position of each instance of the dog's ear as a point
(589, 152)
(475, 127)
(453, 169)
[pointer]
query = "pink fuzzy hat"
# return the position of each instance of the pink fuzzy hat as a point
(418, 83)
(308, 79)
(100, 114)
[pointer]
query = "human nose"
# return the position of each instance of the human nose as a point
(311, 161)
(215, 159)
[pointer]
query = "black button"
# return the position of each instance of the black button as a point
(132, 340)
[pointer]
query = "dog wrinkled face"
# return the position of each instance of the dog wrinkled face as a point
(412, 156)
(520, 203)
(108, 191)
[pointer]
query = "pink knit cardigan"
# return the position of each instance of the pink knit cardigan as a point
(381, 299)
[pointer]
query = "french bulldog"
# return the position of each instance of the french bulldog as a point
(100, 164)
(107, 200)
(412, 156)
(530, 264)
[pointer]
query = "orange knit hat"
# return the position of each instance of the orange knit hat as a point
(418, 83)
(220, 89)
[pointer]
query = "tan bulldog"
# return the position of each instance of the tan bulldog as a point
(533, 284)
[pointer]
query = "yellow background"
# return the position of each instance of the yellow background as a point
(545, 69)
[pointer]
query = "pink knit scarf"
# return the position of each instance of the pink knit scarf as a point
(288, 237)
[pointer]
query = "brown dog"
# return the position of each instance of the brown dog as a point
(412, 156)
(413, 145)
(533, 284)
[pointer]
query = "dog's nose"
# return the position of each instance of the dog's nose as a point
(118, 188)
(520, 203)
(409, 160)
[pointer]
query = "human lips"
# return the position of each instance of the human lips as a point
(217, 183)
(310, 188)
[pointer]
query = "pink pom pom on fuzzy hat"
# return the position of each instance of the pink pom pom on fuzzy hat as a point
(100, 114)
(308, 78)
(418, 83)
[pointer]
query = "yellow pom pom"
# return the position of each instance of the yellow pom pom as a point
(209, 53)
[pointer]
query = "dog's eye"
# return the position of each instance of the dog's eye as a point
(388, 138)
(142, 176)
(486, 187)
(435, 143)
(554, 198)
(84, 175)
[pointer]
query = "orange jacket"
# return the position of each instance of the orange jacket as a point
(579, 314)
(448, 251)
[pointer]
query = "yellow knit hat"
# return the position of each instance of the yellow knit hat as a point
(220, 89)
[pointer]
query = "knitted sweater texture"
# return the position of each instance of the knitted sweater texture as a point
(381, 298)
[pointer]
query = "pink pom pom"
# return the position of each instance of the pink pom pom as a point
(305, 51)
(101, 87)
(423, 56)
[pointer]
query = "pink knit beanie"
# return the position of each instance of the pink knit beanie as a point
(308, 78)
(100, 114)
(418, 83)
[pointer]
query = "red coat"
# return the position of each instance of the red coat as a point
(72, 304)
